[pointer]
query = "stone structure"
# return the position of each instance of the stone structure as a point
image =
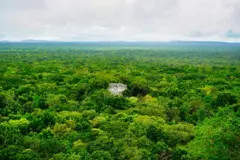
(117, 88)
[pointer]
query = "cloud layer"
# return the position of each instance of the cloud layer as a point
(129, 20)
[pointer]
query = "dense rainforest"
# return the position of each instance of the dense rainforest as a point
(181, 103)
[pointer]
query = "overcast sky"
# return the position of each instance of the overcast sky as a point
(127, 20)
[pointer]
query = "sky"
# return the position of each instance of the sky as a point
(120, 20)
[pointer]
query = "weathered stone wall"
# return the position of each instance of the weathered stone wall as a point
(117, 88)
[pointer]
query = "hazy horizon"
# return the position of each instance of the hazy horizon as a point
(116, 41)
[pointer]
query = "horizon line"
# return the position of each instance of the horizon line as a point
(115, 41)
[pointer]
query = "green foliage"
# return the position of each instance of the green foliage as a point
(224, 99)
(217, 137)
(101, 155)
(102, 100)
(180, 102)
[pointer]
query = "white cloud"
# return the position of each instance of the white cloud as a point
(94, 20)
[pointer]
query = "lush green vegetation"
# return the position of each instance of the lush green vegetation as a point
(181, 102)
